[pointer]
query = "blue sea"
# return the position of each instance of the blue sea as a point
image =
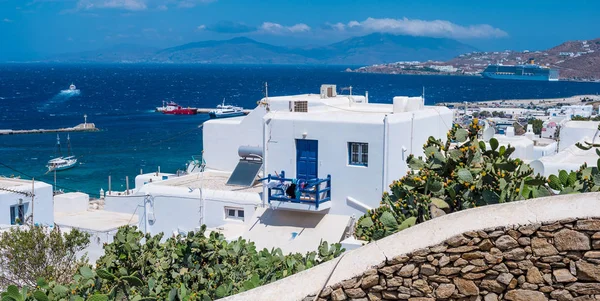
(120, 100)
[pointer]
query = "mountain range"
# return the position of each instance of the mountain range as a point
(374, 48)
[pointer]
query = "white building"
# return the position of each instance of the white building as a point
(572, 132)
(22, 199)
(343, 151)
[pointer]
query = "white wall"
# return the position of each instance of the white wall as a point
(179, 209)
(570, 133)
(43, 209)
(71, 202)
(222, 138)
(361, 183)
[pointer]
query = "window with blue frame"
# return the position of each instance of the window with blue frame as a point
(358, 153)
(17, 214)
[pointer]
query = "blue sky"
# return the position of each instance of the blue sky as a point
(34, 28)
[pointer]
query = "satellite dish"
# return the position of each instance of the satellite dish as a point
(538, 166)
(488, 134)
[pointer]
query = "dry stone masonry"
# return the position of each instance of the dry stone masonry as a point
(538, 262)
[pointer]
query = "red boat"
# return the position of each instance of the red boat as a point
(175, 109)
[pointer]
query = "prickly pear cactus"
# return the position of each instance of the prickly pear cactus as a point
(460, 173)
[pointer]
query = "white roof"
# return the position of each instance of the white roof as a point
(95, 220)
(276, 229)
(214, 180)
(593, 125)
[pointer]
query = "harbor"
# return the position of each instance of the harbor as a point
(82, 127)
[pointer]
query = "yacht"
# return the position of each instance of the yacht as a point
(72, 90)
(60, 162)
(224, 111)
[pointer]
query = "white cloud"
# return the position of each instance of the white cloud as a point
(275, 28)
(162, 7)
(132, 5)
(7, 20)
(434, 28)
(201, 27)
(191, 3)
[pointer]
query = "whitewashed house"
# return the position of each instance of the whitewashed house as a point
(24, 200)
(340, 151)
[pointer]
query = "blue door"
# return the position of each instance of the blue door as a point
(307, 153)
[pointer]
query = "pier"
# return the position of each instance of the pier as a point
(83, 127)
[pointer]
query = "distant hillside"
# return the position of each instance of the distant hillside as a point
(370, 49)
(121, 53)
(380, 48)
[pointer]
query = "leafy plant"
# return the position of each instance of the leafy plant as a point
(30, 252)
(198, 266)
(459, 174)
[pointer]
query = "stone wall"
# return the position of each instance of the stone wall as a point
(540, 261)
(467, 248)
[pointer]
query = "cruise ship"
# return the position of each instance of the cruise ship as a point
(528, 71)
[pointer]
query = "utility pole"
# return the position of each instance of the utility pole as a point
(32, 199)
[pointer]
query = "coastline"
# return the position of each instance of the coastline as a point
(540, 102)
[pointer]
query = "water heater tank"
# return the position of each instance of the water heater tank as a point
(250, 151)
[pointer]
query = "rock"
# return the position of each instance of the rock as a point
(374, 296)
(584, 288)
(355, 293)
(506, 242)
(460, 262)
(438, 249)
(439, 279)
(422, 286)
(393, 282)
(421, 299)
(515, 254)
(492, 286)
(541, 247)
(444, 291)
(529, 286)
(326, 292)
(457, 240)
(350, 283)
(505, 278)
(563, 275)
(466, 287)
(561, 295)
(427, 270)
(462, 249)
(585, 298)
(569, 240)
(490, 297)
(596, 244)
(524, 241)
(592, 254)
(548, 278)
(370, 281)
(390, 295)
(473, 255)
(406, 270)
(449, 271)
(389, 270)
(338, 295)
(550, 228)
(444, 261)
(525, 295)
(501, 268)
(534, 276)
(486, 245)
(529, 229)
(588, 271)
(546, 289)
(473, 276)
(588, 225)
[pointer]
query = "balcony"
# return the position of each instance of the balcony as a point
(307, 196)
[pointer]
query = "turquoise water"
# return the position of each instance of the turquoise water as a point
(120, 100)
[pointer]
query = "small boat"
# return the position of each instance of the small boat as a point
(224, 111)
(72, 90)
(175, 109)
(60, 162)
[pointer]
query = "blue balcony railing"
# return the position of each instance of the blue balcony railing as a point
(307, 192)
